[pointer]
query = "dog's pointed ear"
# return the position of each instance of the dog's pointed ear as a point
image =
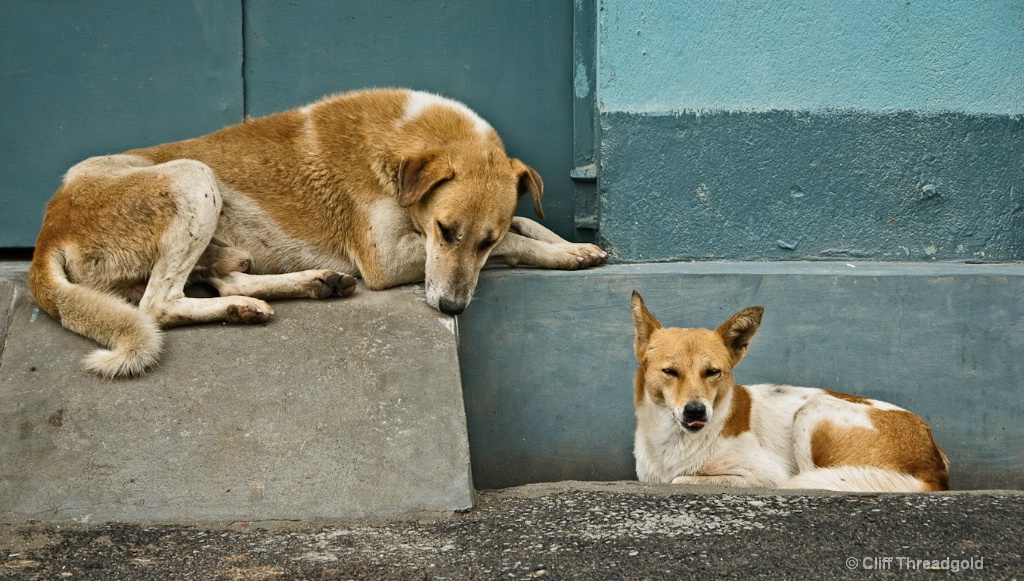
(645, 325)
(739, 330)
(421, 173)
(530, 183)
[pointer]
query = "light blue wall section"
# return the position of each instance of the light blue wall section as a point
(880, 55)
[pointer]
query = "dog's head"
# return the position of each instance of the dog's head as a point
(461, 200)
(689, 371)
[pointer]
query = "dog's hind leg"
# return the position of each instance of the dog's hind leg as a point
(314, 284)
(197, 209)
(856, 479)
(227, 268)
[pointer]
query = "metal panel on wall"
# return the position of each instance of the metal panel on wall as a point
(88, 78)
(509, 61)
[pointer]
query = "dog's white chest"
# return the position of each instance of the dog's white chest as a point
(663, 451)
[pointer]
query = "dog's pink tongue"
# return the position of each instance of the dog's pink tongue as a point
(694, 424)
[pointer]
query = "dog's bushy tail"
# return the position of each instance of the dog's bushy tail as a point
(132, 339)
(857, 479)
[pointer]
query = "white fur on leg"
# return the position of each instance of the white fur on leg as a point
(856, 479)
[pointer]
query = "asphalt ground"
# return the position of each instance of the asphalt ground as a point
(566, 531)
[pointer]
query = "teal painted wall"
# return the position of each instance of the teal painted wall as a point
(79, 79)
(86, 78)
(786, 185)
(802, 130)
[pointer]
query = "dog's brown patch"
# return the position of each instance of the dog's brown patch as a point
(79, 221)
(638, 386)
(739, 413)
(848, 397)
(901, 441)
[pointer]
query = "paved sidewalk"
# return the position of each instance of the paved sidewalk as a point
(568, 530)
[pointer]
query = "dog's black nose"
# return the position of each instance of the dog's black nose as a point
(695, 410)
(450, 307)
(695, 416)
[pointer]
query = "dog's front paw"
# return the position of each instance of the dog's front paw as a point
(687, 480)
(331, 283)
(249, 311)
(573, 256)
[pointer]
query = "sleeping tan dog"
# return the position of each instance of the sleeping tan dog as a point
(394, 186)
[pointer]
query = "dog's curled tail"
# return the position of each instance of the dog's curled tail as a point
(132, 339)
(857, 479)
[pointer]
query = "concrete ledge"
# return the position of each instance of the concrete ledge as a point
(548, 364)
(632, 487)
(344, 409)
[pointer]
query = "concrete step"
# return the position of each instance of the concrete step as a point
(340, 409)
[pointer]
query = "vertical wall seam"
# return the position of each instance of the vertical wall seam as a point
(245, 51)
(585, 123)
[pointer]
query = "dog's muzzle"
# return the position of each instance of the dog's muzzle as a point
(695, 416)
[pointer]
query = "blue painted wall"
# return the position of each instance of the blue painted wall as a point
(79, 79)
(807, 130)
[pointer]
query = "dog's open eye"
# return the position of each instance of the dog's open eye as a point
(670, 372)
(447, 233)
(712, 372)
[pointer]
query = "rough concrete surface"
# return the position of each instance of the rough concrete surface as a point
(335, 409)
(572, 530)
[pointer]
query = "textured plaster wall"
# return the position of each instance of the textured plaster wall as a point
(785, 185)
(801, 130)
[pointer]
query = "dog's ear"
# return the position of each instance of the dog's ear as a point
(738, 331)
(530, 183)
(419, 174)
(645, 325)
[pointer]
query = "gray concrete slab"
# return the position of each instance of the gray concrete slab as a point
(338, 409)
(7, 291)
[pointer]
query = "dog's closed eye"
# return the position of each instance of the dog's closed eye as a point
(712, 372)
(670, 372)
(487, 243)
(447, 233)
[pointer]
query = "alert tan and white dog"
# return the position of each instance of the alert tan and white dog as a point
(696, 426)
(394, 186)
